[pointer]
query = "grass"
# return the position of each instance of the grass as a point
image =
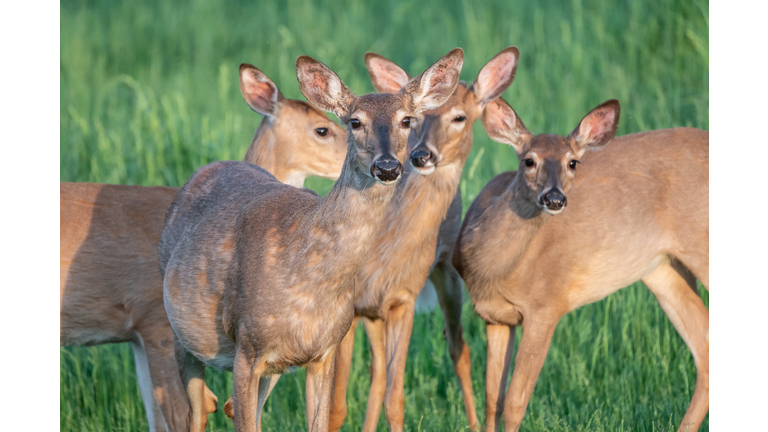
(149, 93)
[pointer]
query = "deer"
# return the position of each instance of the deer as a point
(259, 277)
(549, 238)
(111, 289)
(416, 243)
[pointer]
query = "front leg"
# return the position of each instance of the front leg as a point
(399, 327)
(377, 335)
(537, 335)
(341, 378)
(501, 346)
(318, 391)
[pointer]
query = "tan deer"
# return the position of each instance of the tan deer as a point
(416, 242)
(111, 288)
(259, 276)
(637, 210)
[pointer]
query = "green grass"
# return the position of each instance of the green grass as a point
(149, 93)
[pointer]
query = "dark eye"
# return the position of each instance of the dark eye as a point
(322, 131)
(406, 123)
(460, 119)
(355, 123)
(572, 164)
(528, 162)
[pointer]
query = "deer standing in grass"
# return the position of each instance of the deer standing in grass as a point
(416, 242)
(111, 289)
(637, 210)
(259, 276)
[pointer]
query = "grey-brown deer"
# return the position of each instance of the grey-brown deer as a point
(549, 238)
(259, 276)
(416, 242)
(111, 289)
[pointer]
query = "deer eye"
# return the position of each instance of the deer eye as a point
(406, 123)
(460, 119)
(572, 164)
(528, 162)
(355, 123)
(321, 131)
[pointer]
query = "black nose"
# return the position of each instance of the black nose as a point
(387, 170)
(420, 157)
(554, 200)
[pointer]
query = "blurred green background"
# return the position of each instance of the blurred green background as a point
(149, 93)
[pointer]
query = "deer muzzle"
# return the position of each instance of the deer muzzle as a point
(386, 170)
(553, 201)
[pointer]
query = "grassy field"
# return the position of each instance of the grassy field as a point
(149, 93)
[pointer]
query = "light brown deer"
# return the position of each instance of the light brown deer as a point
(416, 242)
(111, 289)
(637, 210)
(259, 276)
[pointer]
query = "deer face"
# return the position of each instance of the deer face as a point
(378, 125)
(443, 135)
(548, 163)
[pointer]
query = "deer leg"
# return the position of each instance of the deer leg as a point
(537, 335)
(377, 334)
(166, 385)
(318, 392)
(501, 346)
(399, 327)
(192, 373)
(675, 290)
(341, 378)
(270, 382)
(154, 414)
(445, 278)
(249, 392)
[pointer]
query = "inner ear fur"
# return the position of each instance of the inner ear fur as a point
(496, 76)
(598, 127)
(436, 84)
(259, 92)
(503, 125)
(386, 76)
(322, 87)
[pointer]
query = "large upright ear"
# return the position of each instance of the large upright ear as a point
(598, 127)
(386, 76)
(261, 94)
(433, 87)
(503, 125)
(322, 87)
(496, 76)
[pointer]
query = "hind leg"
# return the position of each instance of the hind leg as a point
(448, 288)
(675, 289)
(201, 401)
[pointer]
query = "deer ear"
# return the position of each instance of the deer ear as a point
(598, 127)
(261, 94)
(503, 125)
(496, 76)
(386, 76)
(322, 87)
(433, 87)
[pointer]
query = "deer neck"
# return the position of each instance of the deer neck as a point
(265, 151)
(345, 224)
(515, 222)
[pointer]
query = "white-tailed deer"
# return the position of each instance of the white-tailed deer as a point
(111, 289)
(637, 210)
(259, 276)
(416, 242)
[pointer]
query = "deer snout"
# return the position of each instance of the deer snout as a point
(553, 201)
(386, 170)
